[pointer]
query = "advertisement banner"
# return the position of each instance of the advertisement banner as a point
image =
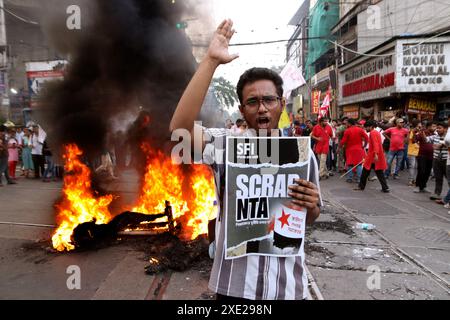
(315, 101)
(39, 73)
(260, 217)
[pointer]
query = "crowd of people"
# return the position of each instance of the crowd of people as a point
(25, 151)
(354, 148)
(344, 146)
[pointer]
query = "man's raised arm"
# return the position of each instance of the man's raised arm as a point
(192, 100)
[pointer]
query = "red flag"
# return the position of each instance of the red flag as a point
(325, 108)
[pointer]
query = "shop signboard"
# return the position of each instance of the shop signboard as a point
(367, 79)
(351, 112)
(316, 101)
(423, 66)
(421, 106)
(39, 73)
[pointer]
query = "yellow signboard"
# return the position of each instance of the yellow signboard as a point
(420, 106)
(351, 112)
(315, 102)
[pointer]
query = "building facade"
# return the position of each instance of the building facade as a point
(393, 60)
(296, 51)
(406, 76)
(25, 43)
(312, 51)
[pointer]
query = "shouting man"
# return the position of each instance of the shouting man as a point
(260, 93)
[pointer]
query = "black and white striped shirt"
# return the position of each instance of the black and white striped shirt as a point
(440, 152)
(251, 277)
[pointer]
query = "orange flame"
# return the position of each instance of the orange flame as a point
(166, 181)
(162, 181)
(79, 204)
(203, 207)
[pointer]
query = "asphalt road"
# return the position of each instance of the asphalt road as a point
(30, 269)
(410, 248)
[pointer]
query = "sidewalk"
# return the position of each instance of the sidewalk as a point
(411, 244)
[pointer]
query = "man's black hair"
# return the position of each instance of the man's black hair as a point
(427, 123)
(370, 123)
(443, 125)
(415, 123)
(352, 122)
(239, 122)
(252, 75)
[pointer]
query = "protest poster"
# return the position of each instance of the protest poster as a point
(260, 216)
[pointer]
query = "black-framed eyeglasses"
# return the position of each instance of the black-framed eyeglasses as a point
(270, 102)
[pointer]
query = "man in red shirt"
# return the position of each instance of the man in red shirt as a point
(374, 159)
(322, 133)
(353, 139)
(398, 137)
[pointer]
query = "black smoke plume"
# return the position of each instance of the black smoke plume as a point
(128, 57)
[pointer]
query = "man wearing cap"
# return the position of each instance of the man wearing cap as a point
(397, 136)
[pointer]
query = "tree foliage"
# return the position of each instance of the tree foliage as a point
(225, 92)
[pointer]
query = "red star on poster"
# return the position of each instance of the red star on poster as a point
(284, 219)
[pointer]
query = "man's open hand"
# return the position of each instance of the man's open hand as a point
(218, 49)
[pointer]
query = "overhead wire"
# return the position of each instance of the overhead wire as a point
(19, 17)
(389, 54)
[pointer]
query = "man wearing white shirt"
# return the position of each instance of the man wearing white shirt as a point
(36, 152)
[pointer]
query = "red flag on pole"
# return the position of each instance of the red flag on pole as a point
(326, 105)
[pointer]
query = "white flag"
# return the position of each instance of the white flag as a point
(292, 78)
